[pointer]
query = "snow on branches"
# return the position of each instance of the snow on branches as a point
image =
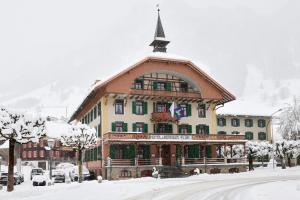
(20, 127)
(80, 136)
(237, 151)
(287, 149)
(257, 150)
(289, 121)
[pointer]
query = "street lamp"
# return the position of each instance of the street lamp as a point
(272, 135)
(0, 164)
(51, 143)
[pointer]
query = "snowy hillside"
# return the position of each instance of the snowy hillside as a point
(51, 99)
(262, 96)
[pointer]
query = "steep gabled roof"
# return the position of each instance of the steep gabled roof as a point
(99, 88)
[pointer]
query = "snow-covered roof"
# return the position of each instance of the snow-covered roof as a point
(5, 145)
(56, 128)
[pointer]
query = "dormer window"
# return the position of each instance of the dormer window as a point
(183, 87)
(138, 84)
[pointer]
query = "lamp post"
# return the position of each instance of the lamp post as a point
(0, 164)
(51, 143)
(272, 135)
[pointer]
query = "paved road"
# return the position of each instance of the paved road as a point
(211, 190)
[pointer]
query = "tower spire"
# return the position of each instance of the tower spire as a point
(160, 42)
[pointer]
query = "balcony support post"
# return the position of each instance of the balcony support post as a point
(160, 154)
(182, 154)
(225, 153)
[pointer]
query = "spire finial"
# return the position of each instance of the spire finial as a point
(159, 43)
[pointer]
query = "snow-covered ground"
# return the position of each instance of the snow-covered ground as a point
(263, 183)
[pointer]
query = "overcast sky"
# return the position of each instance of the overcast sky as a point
(76, 42)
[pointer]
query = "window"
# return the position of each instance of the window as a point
(164, 128)
(185, 128)
(138, 84)
(139, 108)
(24, 146)
(202, 129)
(29, 154)
(183, 87)
(262, 136)
(235, 122)
(221, 121)
(95, 112)
(140, 127)
(184, 108)
(249, 136)
(248, 122)
(201, 110)
(24, 154)
(99, 108)
(221, 133)
(119, 127)
(34, 154)
(119, 107)
(235, 133)
(161, 107)
(29, 145)
(99, 130)
(42, 153)
(161, 86)
(261, 123)
(41, 143)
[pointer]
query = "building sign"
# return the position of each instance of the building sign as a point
(171, 137)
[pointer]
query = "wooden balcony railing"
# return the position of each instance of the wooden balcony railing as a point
(162, 117)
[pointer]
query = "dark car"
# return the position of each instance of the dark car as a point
(4, 179)
(92, 176)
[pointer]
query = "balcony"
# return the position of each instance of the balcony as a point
(143, 137)
(162, 117)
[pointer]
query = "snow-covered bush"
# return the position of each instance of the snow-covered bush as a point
(99, 179)
(18, 128)
(286, 149)
(237, 151)
(196, 171)
(79, 137)
(257, 150)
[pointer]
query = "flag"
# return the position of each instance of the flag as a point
(179, 112)
(172, 108)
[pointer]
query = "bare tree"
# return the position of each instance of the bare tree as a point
(79, 137)
(18, 128)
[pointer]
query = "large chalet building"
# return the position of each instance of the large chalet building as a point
(132, 113)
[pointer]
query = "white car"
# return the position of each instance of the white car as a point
(39, 180)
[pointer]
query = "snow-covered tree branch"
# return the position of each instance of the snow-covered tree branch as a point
(289, 121)
(79, 137)
(18, 128)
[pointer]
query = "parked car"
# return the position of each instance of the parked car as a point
(75, 174)
(20, 175)
(4, 179)
(58, 176)
(39, 180)
(36, 171)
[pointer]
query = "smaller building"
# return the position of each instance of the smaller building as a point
(253, 127)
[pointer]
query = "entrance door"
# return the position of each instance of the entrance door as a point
(166, 155)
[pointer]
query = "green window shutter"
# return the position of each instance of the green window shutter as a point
(208, 151)
(134, 127)
(112, 151)
(129, 152)
(190, 129)
(179, 128)
(189, 110)
(133, 108)
(193, 151)
(113, 127)
(169, 86)
(197, 129)
(168, 106)
(145, 128)
(145, 108)
(125, 127)
(146, 151)
(206, 130)
(154, 85)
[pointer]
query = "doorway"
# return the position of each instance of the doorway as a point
(166, 155)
